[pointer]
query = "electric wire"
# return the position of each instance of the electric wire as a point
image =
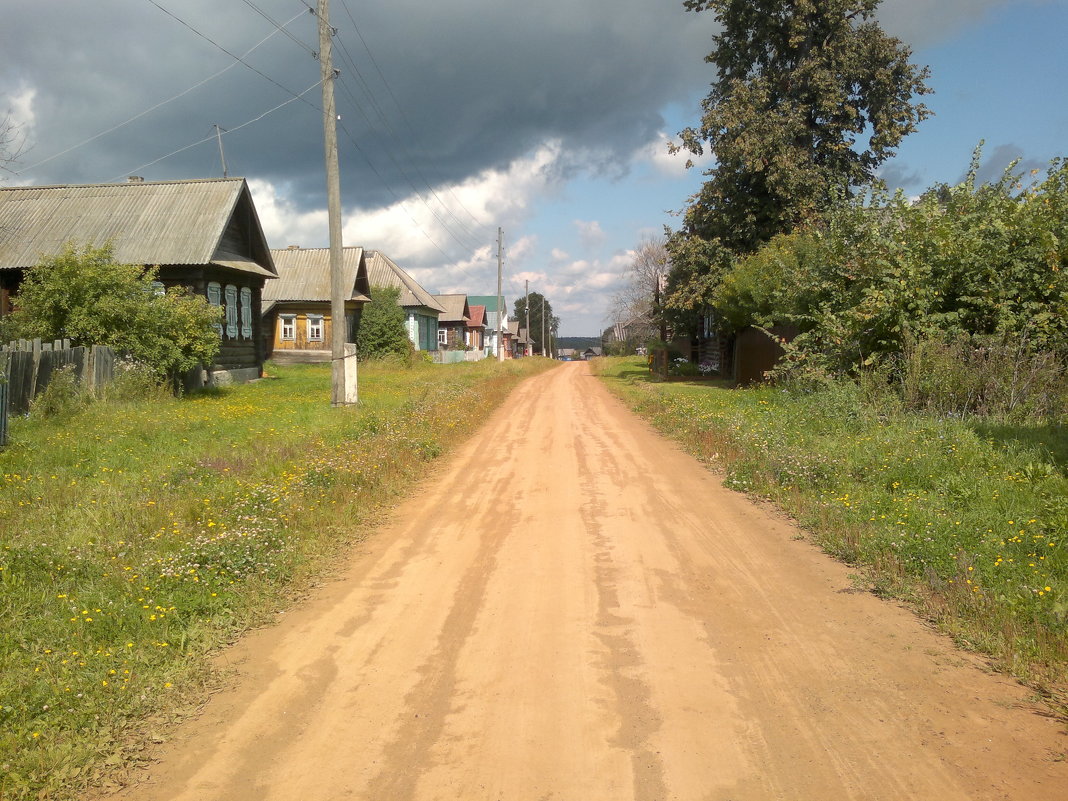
(156, 106)
(215, 44)
(482, 226)
(278, 27)
(212, 136)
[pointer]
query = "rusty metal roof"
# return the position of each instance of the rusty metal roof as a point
(152, 222)
(383, 271)
(304, 274)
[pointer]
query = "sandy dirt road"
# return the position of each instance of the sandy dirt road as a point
(572, 608)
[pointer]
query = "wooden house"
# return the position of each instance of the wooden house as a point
(420, 308)
(203, 234)
(452, 323)
(475, 333)
(489, 302)
(296, 307)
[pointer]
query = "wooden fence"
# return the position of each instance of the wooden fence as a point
(26, 367)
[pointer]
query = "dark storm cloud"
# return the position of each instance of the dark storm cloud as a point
(994, 162)
(479, 84)
(901, 176)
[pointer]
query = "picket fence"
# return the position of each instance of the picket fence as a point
(26, 367)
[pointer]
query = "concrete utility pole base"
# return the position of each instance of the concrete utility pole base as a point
(348, 384)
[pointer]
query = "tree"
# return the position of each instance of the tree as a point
(83, 295)
(811, 96)
(536, 309)
(381, 333)
(12, 142)
(640, 302)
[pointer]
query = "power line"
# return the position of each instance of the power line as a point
(156, 106)
(400, 109)
(237, 58)
(278, 27)
(213, 135)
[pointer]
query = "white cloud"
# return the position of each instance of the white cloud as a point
(673, 165)
(590, 233)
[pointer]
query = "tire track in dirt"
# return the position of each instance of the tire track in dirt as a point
(570, 608)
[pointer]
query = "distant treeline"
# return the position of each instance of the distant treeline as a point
(578, 343)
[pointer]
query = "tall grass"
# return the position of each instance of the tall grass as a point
(138, 536)
(964, 518)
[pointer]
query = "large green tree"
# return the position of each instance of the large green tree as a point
(539, 308)
(83, 295)
(810, 97)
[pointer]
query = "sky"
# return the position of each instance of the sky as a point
(547, 119)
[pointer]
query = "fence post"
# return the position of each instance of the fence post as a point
(4, 395)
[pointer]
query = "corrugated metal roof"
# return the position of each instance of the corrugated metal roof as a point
(478, 316)
(165, 222)
(383, 271)
(455, 307)
(304, 274)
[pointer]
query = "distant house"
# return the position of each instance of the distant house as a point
(475, 335)
(452, 323)
(591, 353)
(490, 304)
(203, 234)
(296, 307)
(420, 308)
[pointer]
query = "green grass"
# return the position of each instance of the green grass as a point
(967, 521)
(137, 537)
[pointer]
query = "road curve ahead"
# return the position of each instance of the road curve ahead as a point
(570, 608)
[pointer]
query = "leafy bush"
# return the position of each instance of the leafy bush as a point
(84, 296)
(62, 397)
(981, 266)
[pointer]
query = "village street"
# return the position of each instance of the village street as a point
(572, 608)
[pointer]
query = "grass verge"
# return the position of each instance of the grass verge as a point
(965, 521)
(139, 536)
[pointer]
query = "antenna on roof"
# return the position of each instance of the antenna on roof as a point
(222, 156)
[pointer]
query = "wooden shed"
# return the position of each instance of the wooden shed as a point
(203, 234)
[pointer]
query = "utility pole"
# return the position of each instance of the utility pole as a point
(222, 156)
(526, 305)
(500, 299)
(542, 325)
(343, 356)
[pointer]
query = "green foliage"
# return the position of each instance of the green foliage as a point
(62, 397)
(381, 333)
(978, 268)
(798, 87)
(537, 313)
(84, 296)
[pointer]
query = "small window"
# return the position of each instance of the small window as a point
(215, 299)
(315, 328)
(231, 311)
(246, 313)
(443, 337)
(289, 327)
(158, 289)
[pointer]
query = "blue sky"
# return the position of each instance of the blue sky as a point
(548, 119)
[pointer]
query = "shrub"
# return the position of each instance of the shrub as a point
(381, 331)
(62, 397)
(84, 296)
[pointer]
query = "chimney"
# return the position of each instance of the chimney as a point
(293, 247)
(135, 179)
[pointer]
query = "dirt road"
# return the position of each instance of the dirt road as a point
(571, 608)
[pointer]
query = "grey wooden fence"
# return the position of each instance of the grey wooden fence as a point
(26, 367)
